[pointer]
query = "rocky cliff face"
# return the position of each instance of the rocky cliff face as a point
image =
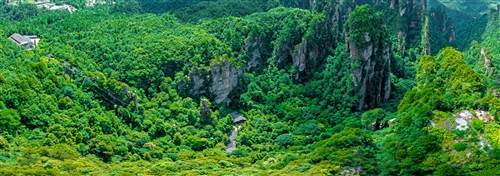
(442, 31)
(218, 83)
(306, 57)
(299, 58)
(252, 49)
(487, 62)
(409, 16)
(308, 45)
(199, 83)
(321, 35)
(370, 57)
(371, 75)
(205, 111)
(224, 81)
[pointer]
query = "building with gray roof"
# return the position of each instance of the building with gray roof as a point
(237, 117)
(27, 41)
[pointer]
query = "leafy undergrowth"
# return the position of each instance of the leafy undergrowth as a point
(129, 107)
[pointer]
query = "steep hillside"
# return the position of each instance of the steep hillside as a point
(483, 53)
(268, 87)
(447, 142)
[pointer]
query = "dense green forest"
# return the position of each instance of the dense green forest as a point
(327, 87)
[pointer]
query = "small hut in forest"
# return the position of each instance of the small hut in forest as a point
(238, 119)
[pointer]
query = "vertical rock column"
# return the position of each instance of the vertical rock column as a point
(224, 80)
(370, 56)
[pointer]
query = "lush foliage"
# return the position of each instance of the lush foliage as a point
(113, 90)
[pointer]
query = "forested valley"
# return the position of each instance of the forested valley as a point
(263, 87)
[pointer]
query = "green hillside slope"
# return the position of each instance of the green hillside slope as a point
(323, 87)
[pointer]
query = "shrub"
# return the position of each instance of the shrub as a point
(478, 125)
(172, 156)
(239, 153)
(4, 144)
(444, 169)
(68, 91)
(9, 119)
(285, 140)
(460, 146)
(311, 129)
(460, 133)
(305, 166)
(369, 119)
(352, 122)
(225, 164)
(495, 153)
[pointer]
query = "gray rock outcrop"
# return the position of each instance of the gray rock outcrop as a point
(252, 48)
(199, 84)
(217, 83)
(205, 112)
(224, 81)
(370, 61)
(371, 75)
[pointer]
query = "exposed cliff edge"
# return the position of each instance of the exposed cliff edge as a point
(224, 80)
(252, 49)
(302, 49)
(442, 30)
(217, 83)
(411, 16)
(370, 56)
